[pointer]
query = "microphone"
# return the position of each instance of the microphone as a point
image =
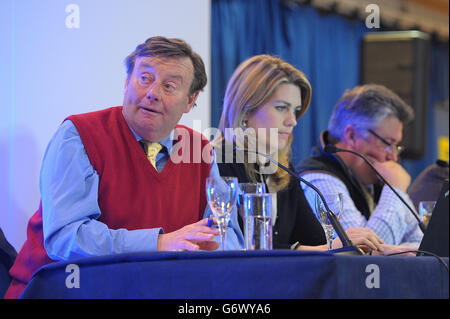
(331, 149)
(346, 242)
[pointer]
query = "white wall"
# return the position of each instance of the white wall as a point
(49, 71)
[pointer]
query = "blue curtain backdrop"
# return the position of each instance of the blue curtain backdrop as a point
(326, 47)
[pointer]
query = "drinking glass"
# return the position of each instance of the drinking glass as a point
(336, 204)
(258, 221)
(425, 210)
(221, 194)
(248, 188)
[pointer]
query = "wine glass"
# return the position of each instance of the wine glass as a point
(425, 210)
(336, 204)
(221, 194)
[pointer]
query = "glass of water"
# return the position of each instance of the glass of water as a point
(258, 221)
(247, 188)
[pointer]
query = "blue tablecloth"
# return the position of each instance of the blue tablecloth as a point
(241, 274)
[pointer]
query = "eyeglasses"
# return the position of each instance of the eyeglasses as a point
(392, 148)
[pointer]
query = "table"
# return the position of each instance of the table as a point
(273, 274)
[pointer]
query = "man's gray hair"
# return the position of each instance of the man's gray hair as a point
(365, 107)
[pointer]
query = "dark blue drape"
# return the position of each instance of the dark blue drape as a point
(243, 275)
(438, 92)
(326, 47)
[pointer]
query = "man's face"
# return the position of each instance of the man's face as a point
(390, 129)
(157, 94)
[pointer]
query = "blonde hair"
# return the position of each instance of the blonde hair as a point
(252, 84)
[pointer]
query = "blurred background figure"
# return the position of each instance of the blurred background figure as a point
(427, 186)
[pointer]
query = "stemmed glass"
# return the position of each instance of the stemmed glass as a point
(425, 210)
(221, 194)
(336, 204)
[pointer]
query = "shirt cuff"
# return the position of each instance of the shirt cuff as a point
(142, 240)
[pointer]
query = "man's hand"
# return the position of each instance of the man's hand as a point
(394, 173)
(365, 238)
(391, 249)
(191, 237)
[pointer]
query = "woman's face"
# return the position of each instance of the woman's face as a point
(278, 114)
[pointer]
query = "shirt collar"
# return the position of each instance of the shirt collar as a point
(167, 142)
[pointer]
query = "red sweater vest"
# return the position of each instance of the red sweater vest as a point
(131, 194)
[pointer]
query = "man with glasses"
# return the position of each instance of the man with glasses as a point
(368, 119)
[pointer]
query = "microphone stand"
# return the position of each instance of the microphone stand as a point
(346, 242)
(333, 149)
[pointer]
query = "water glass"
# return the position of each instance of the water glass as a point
(248, 188)
(258, 221)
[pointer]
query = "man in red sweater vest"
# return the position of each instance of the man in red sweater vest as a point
(101, 195)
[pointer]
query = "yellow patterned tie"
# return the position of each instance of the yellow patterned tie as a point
(153, 150)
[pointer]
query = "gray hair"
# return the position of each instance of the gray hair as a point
(365, 107)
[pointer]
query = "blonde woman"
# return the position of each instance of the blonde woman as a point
(263, 101)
